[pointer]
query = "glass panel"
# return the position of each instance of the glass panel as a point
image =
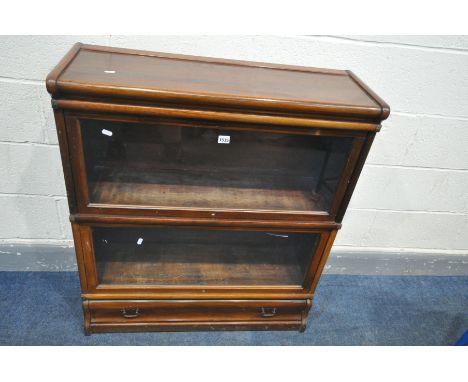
(183, 256)
(173, 166)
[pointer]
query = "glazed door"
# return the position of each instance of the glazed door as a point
(199, 258)
(175, 169)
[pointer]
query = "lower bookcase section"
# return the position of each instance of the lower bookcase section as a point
(203, 315)
(176, 278)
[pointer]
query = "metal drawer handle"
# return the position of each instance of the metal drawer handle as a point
(130, 312)
(268, 312)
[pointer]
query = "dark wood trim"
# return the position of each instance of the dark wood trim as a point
(77, 162)
(354, 178)
(323, 260)
(315, 261)
(80, 257)
(239, 223)
(228, 125)
(65, 154)
(217, 227)
(168, 304)
(345, 177)
(51, 80)
(88, 257)
(101, 107)
(200, 101)
(87, 318)
(203, 213)
(181, 294)
(197, 292)
(195, 326)
(305, 314)
(385, 108)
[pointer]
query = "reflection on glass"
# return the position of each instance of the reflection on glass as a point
(174, 166)
(183, 256)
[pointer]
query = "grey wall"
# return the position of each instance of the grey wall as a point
(412, 196)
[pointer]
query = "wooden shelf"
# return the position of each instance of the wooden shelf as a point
(168, 195)
(204, 268)
(186, 186)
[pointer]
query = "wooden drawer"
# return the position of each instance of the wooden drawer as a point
(173, 315)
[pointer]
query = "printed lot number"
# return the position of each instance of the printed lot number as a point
(226, 139)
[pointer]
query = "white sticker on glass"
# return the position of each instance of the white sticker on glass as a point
(107, 132)
(226, 139)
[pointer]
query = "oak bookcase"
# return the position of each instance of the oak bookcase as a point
(205, 193)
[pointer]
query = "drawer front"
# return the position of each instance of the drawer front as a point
(194, 314)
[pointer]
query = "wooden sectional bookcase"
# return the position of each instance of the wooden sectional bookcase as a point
(205, 193)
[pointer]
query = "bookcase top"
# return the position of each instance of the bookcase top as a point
(211, 83)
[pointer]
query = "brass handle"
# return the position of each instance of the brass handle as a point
(130, 312)
(268, 312)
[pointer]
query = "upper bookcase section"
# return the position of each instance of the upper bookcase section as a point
(113, 75)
